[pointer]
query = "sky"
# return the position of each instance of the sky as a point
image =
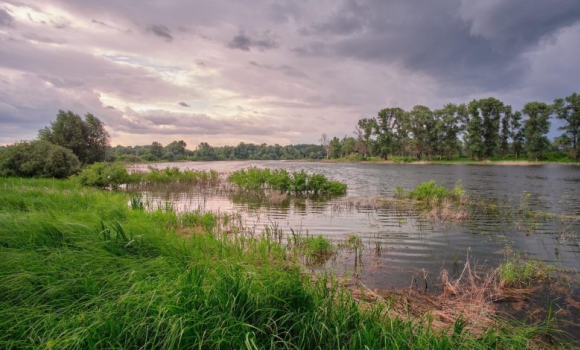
(273, 71)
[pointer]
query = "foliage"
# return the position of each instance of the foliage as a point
(316, 249)
(87, 139)
(517, 271)
(431, 190)
(536, 127)
(174, 174)
(281, 180)
(81, 270)
(105, 175)
(568, 109)
(38, 159)
(115, 174)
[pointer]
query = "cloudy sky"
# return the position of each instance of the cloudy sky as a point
(274, 71)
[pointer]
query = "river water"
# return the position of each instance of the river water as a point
(402, 243)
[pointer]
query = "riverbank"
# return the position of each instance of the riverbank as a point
(453, 162)
(81, 268)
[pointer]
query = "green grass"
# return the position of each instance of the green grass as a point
(298, 182)
(115, 174)
(517, 271)
(431, 190)
(81, 269)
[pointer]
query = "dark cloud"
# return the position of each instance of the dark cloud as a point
(472, 43)
(161, 31)
(246, 43)
(183, 104)
(5, 18)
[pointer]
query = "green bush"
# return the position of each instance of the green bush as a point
(38, 159)
(106, 175)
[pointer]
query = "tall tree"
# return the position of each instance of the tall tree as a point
(87, 139)
(420, 124)
(517, 133)
(449, 127)
(156, 149)
(474, 132)
(536, 127)
(387, 126)
(568, 109)
(364, 132)
(505, 131)
(325, 142)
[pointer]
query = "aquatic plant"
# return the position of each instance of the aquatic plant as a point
(298, 182)
(431, 190)
(113, 175)
(517, 271)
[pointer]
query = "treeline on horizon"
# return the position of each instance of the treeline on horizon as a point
(482, 129)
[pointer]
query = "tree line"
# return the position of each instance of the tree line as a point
(481, 129)
(177, 150)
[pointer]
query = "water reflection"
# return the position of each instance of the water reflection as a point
(405, 239)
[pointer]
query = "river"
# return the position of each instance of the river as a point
(400, 244)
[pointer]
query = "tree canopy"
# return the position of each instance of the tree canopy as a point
(87, 139)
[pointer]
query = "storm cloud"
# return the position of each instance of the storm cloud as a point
(278, 72)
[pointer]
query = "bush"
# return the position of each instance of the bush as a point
(253, 179)
(106, 175)
(38, 159)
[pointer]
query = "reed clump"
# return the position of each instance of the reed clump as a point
(113, 175)
(81, 269)
(437, 201)
(298, 182)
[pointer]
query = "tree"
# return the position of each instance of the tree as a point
(156, 149)
(387, 127)
(325, 142)
(38, 159)
(505, 131)
(449, 127)
(420, 125)
(335, 147)
(364, 131)
(474, 132)
(87, 139)
(206, 152)
(517, 133)
(568, 109)
(175, 150)
(536, 127)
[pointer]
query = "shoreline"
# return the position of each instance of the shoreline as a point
(450, 162)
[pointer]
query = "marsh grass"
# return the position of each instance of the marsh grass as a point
(298, 182)
(80, 269)
(520, 271)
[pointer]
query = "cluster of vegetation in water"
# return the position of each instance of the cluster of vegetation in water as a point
(299, 182)
(81, 269)
(113, 175)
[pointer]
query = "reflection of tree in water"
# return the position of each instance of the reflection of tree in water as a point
(275, 199)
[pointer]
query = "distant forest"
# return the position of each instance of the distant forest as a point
(481, 129)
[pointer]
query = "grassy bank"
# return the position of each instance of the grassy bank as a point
(80, 269)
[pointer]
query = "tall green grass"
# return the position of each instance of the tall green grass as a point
(80, 269)
(281, 180)
(115, 174)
